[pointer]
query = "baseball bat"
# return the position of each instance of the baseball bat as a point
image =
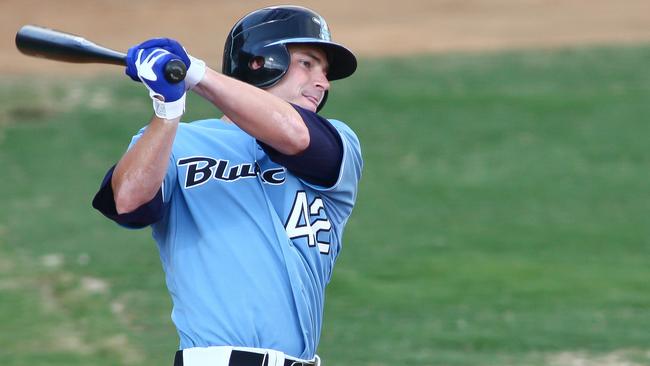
(48, 43)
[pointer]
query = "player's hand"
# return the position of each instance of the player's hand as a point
(168, 98)
(195, 67)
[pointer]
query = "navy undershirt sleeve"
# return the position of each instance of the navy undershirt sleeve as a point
(320, 163)
(144, 215)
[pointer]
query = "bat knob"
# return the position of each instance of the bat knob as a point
(175, 71)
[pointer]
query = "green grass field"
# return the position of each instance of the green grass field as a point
(503, 217)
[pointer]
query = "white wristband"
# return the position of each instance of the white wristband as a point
(195, 73)
(169, 110)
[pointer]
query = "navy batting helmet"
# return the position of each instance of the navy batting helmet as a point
(265, 33)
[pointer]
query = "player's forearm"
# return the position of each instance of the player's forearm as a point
(139, 174)
(261, 114)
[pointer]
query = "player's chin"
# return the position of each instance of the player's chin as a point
(310, 104)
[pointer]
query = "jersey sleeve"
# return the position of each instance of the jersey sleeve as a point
(344, 189)
(145, 215)
(319, 163)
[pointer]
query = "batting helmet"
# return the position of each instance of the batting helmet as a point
(266, 33)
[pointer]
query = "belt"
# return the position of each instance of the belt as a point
(245, 358)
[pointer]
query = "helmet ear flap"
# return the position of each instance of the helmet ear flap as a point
(275, 63)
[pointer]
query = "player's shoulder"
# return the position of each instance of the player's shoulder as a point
(339, 125)
(345, 130)
(211, 123)
(209, 127)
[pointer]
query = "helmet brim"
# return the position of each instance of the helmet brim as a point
(342, 62)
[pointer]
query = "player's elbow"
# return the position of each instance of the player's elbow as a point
(297, 139)
(300, 142)
(123, 204)
(289, 134)
(126, 200)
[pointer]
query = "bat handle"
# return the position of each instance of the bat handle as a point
(175, 71)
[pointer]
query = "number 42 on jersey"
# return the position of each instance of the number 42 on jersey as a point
(300, 224)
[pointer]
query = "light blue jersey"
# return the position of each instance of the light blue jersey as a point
(246, 246)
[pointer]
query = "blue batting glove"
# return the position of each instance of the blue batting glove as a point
(195, 67)
(168, 98)
(167, 44)
(150, 65)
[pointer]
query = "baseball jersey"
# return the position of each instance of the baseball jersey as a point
(247, 247)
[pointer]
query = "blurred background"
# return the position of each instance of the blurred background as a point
(503, 216)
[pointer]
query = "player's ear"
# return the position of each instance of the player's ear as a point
(256, 63)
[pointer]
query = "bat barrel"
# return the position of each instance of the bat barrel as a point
(48, 43)
(55, 45)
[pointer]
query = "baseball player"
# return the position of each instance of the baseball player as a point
(247, 211)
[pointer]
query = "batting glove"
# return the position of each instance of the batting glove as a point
(168, 98)
(195, 67)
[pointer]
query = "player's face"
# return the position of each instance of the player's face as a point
(305, 82)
